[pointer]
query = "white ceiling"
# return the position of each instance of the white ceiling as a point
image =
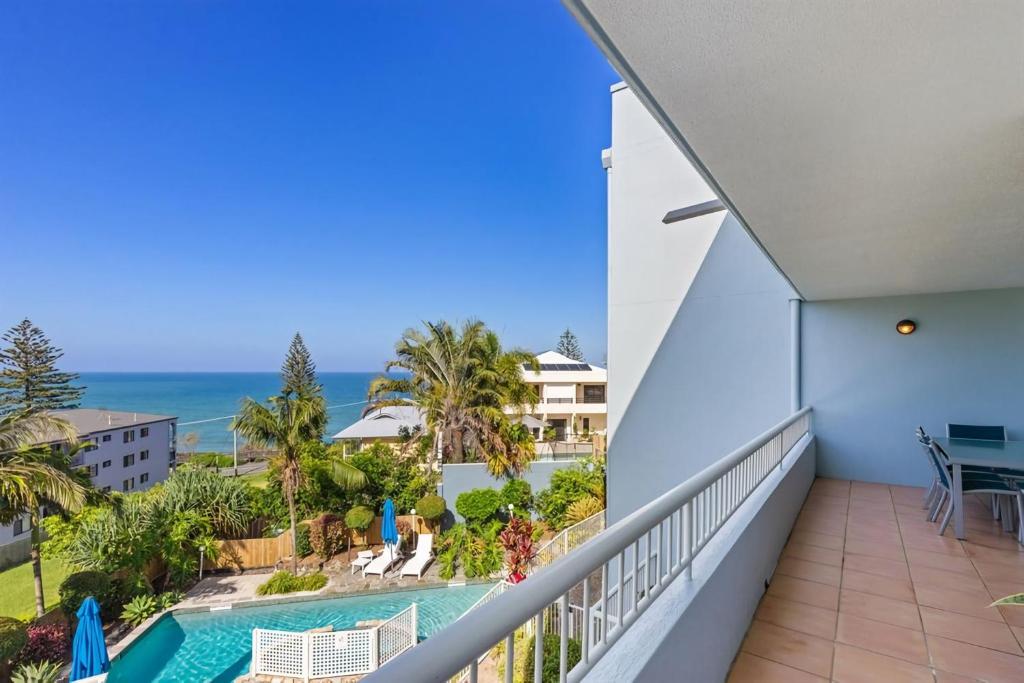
(873, 148)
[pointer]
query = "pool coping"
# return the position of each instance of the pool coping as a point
(118, 649)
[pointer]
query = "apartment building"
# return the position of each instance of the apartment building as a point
(573, 403)
(124, 452)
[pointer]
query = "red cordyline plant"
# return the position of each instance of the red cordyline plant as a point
(517, 540)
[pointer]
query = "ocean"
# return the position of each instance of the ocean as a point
(192, 396)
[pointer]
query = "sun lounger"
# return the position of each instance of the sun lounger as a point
(388, 558)
(422, 559)
(363, 558)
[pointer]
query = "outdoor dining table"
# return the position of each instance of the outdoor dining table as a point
(977, 453)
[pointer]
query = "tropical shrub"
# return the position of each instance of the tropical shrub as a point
(565, 488)
(476, 550)
(78, 586)
(169, 599)
(582, 509)
(188, 535)
(223, 501)
(517, 540)
(138, 609)
(551, 648)
(286, 582)
(431, 507)
(37, 672)
(327, 535)
(13, 636)
(478, 505)
(302, 543)
(211, 459)
(389, 475)
(359, 518)
(518, 493)
(46, 642)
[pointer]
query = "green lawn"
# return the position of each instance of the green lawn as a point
(18, 597)
(257, 479)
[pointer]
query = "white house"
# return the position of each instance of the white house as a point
(125, 452)
(572, 395)
(390, 425)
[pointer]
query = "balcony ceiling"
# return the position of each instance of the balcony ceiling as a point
(873, 148)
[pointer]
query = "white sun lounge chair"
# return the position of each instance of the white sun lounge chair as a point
(387, 559)
(423, 557)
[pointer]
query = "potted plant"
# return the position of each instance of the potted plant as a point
(517, 540)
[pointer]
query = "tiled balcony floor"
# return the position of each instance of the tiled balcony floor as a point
(867, 591)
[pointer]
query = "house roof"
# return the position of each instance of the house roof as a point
(92, 420)
(555, 366)
(382, 423)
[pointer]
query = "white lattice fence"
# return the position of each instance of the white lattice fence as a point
(332, 653)
(396, 635)
(342, 653)
(278, 653)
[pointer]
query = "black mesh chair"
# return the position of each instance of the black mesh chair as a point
(981, 432)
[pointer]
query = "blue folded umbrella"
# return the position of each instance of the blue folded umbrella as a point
(89, 649)
(388, 527)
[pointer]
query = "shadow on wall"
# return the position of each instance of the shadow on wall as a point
(720, 375)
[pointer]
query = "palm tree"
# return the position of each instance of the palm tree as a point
(288, 423)
(32, 476)
(461, 381)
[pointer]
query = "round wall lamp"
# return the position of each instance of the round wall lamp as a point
(906, 326)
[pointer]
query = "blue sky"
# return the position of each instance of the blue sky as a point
(185, 184)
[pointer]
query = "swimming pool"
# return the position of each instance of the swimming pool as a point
(217, 646)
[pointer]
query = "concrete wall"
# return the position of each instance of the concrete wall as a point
(871, 387)
(456, 479)
(694, 629)
(698, 321)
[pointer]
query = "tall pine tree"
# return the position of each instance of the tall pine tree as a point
(569, 346)
(29, 379)
(298, 373)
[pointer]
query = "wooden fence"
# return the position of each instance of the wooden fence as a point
(253, 553)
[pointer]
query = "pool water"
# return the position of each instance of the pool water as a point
(217, 646)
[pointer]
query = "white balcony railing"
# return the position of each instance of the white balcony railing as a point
(657, 542)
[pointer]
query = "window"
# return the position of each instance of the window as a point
(19, 526)
(144, 478)
(128, 460)
(106, 464)
(593, 393)
(144, 432)
(105, 489)
(586, 424)
(129, 436)
(106, 438)
(128, 484)
(143, 455)
(93, 470)
(91, 445)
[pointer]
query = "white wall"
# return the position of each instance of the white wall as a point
(698, 350)
(871, 387)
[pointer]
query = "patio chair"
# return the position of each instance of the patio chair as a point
(422, 558)
(973, 482)
(933, 488)
(1016, 481)
(363, 558)
(388, 558)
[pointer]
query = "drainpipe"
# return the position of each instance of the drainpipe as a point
(795, 402)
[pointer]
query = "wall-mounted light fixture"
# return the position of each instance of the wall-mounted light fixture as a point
(906, 326)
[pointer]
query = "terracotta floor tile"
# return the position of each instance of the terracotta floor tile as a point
(995, 572)
(888, 550)
(898, 589)
(854, 665)
(956, 601)
(973, 630)
(994, 555)
(882, 609)
(813, 553)
(923, 558)
(873, 535)
(792, 648)
(800, 590)
(1018, 632)
(798, 616)
(946, 677)
(894, 569)
(935, 544)
(750, 668)
(886, 639)
(819, 540)
(971, 660)
(940, 578)
(812, 571)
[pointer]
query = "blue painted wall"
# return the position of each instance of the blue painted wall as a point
(871, 387)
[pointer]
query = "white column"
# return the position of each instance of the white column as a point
(794, 355)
